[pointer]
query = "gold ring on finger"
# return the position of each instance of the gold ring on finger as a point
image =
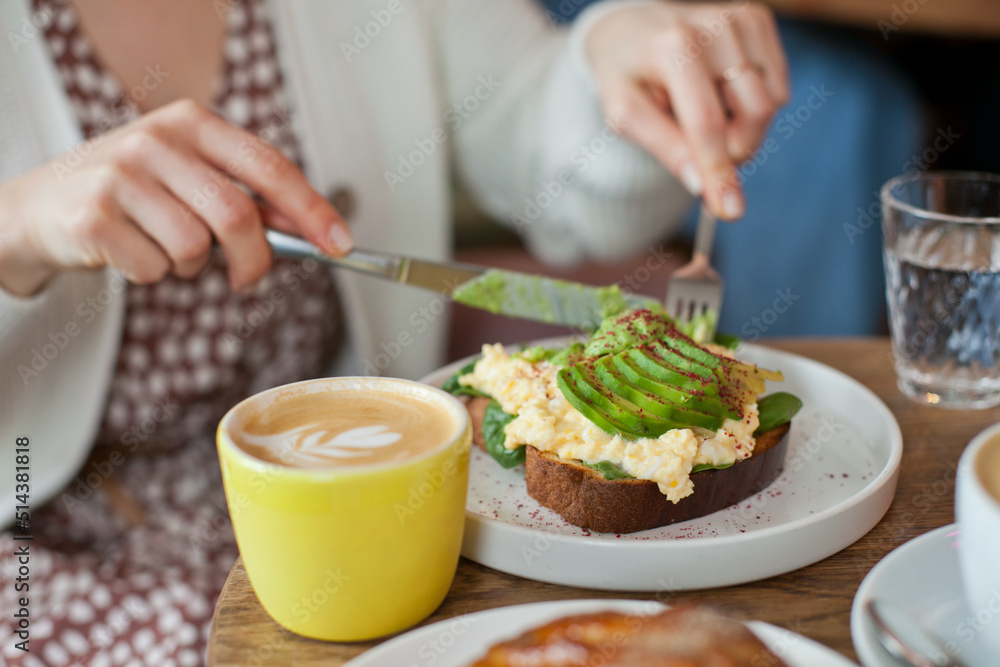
(736, 71)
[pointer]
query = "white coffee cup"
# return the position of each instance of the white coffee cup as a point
(977, 508)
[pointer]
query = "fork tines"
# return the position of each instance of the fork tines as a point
(689, 297)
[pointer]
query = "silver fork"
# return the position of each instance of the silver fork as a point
(696, 288)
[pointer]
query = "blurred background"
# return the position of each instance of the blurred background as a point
(879, 88)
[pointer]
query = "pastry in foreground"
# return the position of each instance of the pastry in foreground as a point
(685, 635)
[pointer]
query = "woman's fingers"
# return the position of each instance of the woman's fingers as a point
(152, 196)
(275, 220)
(748, 105)
(640, 114)
(751, 109)
(106, 236)
(269, 173)
(228, 212)
(719, 100)
(179, 232)
(698, 108)
(136, 255)
(762, 44)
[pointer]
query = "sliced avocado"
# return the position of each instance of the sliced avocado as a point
(666, 355)
(729, 371)
(694, 400)
(668, 405)
(640, 420)
(653, 378)
(575, 393)
(732, 385)
(647, 364)
(747, 381)
(639, 362)
(692, 351)
(615, 370)
(601, 400)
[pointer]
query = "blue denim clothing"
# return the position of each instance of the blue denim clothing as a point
(806, 259)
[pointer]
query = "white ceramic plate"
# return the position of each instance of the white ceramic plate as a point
(840, 476)
(922, 577)
(457, 642)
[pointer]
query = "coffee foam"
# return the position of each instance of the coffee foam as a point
(343, 428)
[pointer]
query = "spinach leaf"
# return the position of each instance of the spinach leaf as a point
(608, 469)
(777, 409)
(535, 353)
(726, 340)
(494, 421)
(709, 466)
(452, 386)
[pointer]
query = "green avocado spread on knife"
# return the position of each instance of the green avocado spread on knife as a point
(541, 298)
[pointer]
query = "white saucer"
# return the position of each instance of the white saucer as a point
(922, 578)
(458, 641)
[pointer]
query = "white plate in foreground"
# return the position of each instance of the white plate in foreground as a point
(922, 578)
(839, 479)
(457, 642)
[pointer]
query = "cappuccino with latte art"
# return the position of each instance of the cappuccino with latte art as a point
(321, 477)
(346, 428)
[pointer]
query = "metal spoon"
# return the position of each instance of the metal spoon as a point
(905, 639)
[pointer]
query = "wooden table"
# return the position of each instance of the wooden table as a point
(814, 601)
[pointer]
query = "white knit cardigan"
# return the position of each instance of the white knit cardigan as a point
(389, 98)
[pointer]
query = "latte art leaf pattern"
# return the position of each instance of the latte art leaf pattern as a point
(366, 437)
(315, 444)
(342, 429)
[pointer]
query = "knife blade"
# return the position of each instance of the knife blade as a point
(511, 293)
(551, 300)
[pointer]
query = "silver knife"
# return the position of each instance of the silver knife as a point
(511, 293)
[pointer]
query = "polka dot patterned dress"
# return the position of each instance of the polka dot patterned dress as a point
(128, 561)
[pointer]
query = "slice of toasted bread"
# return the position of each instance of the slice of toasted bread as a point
(583, 497)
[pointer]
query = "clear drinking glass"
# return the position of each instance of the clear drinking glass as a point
(942, 262)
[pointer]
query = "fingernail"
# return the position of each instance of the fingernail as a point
(341, 237)
(691, 178)
(732, 204)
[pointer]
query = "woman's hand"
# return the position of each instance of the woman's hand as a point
(150, 197)
(694, 84)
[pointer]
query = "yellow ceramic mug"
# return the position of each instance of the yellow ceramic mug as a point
(355, 552)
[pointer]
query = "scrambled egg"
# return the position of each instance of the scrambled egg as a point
(547, 421)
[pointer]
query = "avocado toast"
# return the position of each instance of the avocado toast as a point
(638, 428)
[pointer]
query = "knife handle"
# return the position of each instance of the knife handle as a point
(363, 261)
